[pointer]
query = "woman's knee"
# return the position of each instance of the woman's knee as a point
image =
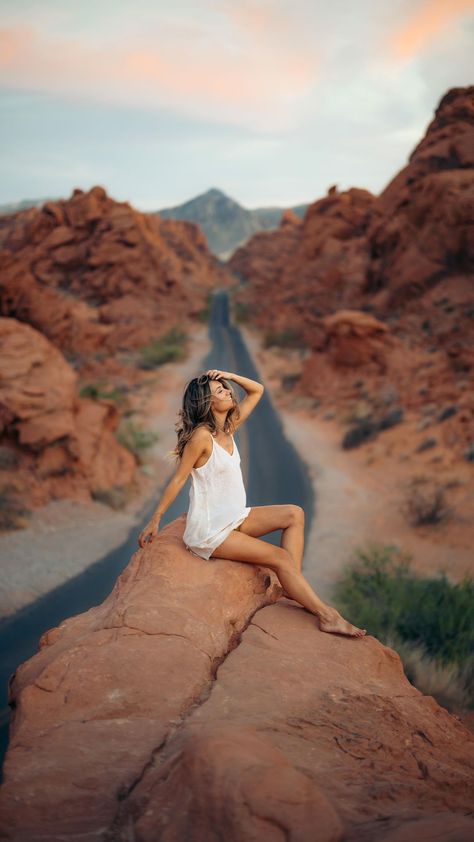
(297, 514)
(282, 560)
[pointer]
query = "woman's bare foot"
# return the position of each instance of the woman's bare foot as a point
(334, 623)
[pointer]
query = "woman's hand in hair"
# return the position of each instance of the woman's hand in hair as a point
(214, 373)
(149, 532)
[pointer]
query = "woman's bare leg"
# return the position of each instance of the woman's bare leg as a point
(292, 540)
(239, 546)
(287, 517)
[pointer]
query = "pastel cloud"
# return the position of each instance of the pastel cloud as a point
(425, 24)
(187, 67)
(271, 100)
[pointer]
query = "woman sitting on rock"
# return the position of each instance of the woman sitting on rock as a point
(219, 524)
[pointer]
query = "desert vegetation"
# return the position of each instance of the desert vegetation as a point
(428, 621)
(169, 348)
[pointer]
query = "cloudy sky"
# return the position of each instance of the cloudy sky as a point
(271, 101)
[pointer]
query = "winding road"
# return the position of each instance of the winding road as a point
(273, 473)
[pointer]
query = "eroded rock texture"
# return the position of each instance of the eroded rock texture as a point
(54, 443)
(406, 257)
(190, 706)
(95, 274)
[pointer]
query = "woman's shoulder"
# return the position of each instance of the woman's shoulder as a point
(202, 431)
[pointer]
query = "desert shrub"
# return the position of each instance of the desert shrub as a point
(136, 439)
(364, 430)
(288, 338)
(116, 497)
(13, 513)
(242, 311)
(449, 683)
(289, 381)
(379, 592)
(170, 347)
(395, 416)
(96, 391)
(427, 506)
(205, 313)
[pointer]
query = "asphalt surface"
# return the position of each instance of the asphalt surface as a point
(273, 473)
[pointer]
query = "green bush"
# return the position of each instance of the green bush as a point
(96, 391)
(168, 348)
(379, 592)
(136, 439)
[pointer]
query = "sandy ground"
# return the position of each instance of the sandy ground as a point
(66, 536)
(359, 492)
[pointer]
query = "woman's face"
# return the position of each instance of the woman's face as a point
(222, 397)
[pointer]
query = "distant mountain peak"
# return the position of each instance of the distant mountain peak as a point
(214, 191)
(225, 222)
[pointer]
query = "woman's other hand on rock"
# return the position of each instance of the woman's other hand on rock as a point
(149, 532)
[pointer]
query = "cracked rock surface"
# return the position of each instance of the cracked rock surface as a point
(190, 706)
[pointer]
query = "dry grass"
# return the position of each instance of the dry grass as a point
(425, 504)
(117, 497)
(445, 682)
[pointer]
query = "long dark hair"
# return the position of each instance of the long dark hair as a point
(197, 412)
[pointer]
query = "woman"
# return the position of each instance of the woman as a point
(219, 524)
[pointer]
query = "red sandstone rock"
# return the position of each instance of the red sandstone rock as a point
(109, 686)
(406, 256)
(67, 444)
(71, 269)
(182, 708)
(354, 339)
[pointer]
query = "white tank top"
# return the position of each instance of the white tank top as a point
(217, 500)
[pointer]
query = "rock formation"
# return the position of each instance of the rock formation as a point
(54, 444)
(94, 274)
(353, 338)
(395, 253)
(188, 705)
(406, 257)
(100, 282)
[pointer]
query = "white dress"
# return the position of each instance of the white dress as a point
(217, 501)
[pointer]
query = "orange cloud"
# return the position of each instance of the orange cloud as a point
(13, 43)
(200, 75)
(425, 24)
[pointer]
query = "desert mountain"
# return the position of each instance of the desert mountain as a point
(23, 204)
(225, 223)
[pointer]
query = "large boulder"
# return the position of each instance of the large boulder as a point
(189, 706)
(353, 338)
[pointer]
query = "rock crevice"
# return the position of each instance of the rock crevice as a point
(280, 731)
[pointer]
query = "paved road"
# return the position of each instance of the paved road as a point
(273, 473)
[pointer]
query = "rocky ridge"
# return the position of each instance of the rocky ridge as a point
(405, 258)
